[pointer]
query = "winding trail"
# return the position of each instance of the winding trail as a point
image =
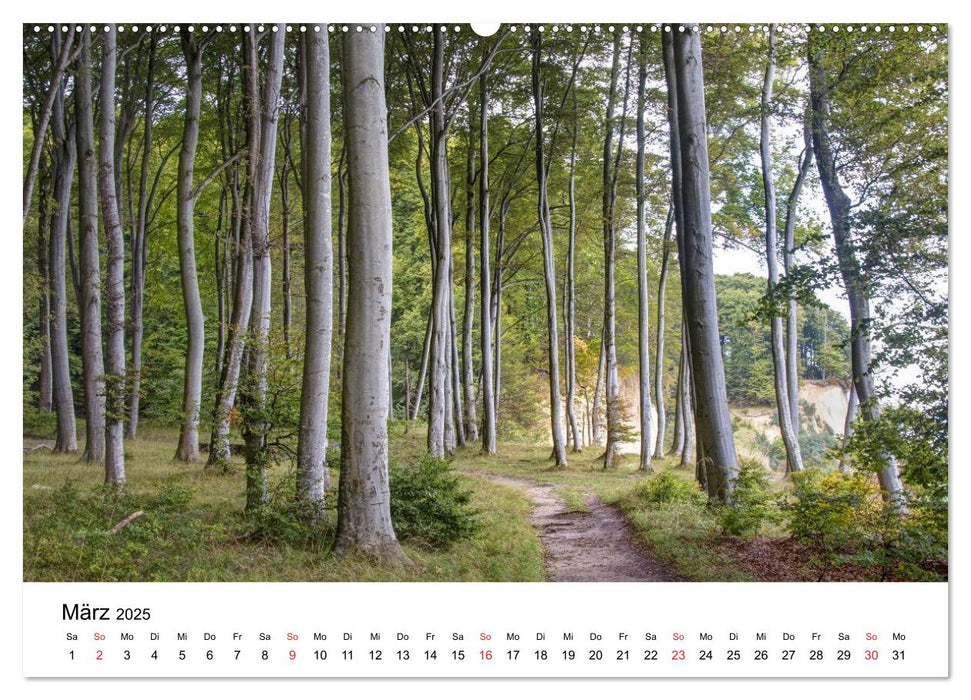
(593, 546)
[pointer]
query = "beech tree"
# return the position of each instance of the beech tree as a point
(115, 289)
(363, 507)
(255, 420)
(62, 173)
(787, 419)
(89, 260)
(192, 49)
(549, 264)
(716, 442)
(312, 475)
(643, 309)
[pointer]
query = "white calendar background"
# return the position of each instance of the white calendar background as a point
(486, 630)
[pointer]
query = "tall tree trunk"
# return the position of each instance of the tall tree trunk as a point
(115, 288)
(643, 307)
(439, 377)
(455, 369)
(341, 243)
(60, 57)
(312, 475)
(851, 408)
(485, 287)
(659, 337)
(236, 341)
(611, 382)
(255, 424)
(138, 249)
(89, 263)
(789, 437)
(423, 370)
(838, 203)
(596, 431)
(468, 373)
(690, 443)
(792, 315)
(571, 302)
(220, 257)
(713, 424)
(45, 383)
(549, 265)
(188, 449)
(677, 442)
(285, 240)
(62, 173)
(364, 501)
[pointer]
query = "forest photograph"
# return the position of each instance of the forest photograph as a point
(382, 302)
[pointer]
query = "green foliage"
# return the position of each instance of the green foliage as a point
(753, 503)
(830, 510)
(669, 488)
(39, 424)
(72, 540)
(743, 321)
(429, 505)
(846, 520)
(286, 521)
(910, 436)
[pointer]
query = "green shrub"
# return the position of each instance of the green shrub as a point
(40, 424)
(752, 502)
(830, 510)
(668, 488)
(429, 506)
(285, 520)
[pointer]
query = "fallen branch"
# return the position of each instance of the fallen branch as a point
(126, 522)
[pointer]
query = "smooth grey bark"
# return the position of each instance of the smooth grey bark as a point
(571, 302)
(60, 57)
(45, 386)
(611, 382)
(287, 281)
(456, 416)
(489, 439)
(792, 311)
(439, 358)
(851, 408)
(89, 262)
(838, 203)
(549, 265)
(595, 429)
(713, 424)
(659, 335)
(422, 371)
(64, 155)
(364, 501)
(677, 441)
(138, 249)
(643, 306)
(690, 443)
(188, 449)
(238, 331)
(789, 437)
(469, 419)
(341, 244)
(115, 287)
(255, 424)
(312, 474)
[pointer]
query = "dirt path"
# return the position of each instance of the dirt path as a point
(593, 546)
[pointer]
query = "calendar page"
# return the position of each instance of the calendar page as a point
(563, 350)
